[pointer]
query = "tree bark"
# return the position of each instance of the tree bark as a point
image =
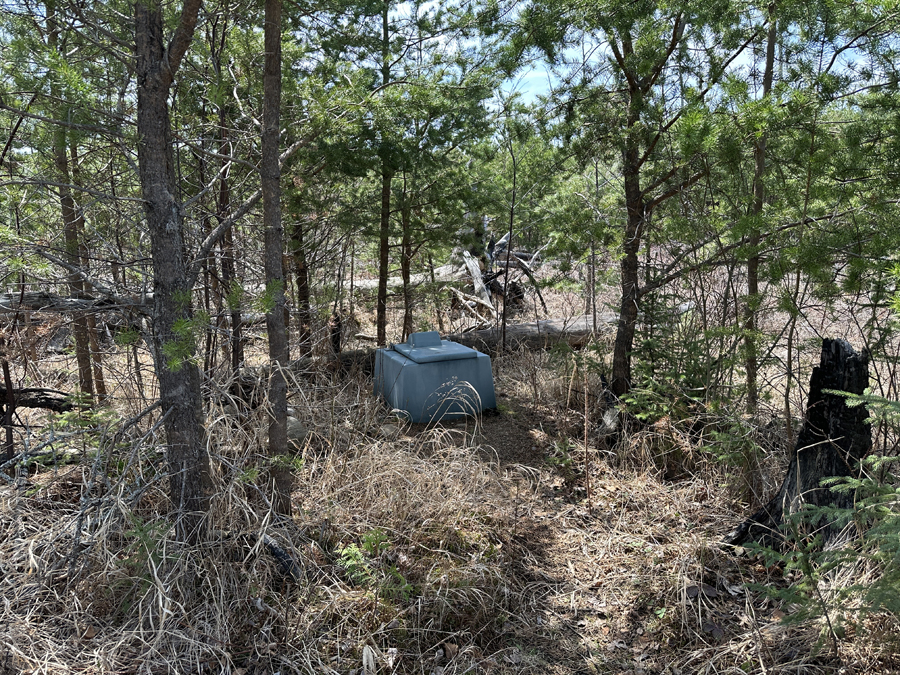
(387, 174)
(96, 359)
(759, 196)
(173, 342)
(33, 397)
(230, 285)
(233, 297)
(212, 295)
(69, 218)
(834, 438)
(96, 355)
(9, 405)
(634, 227)
(406, 254)
(384, 234)
(301, 275)
(279, 357)
(79, 319)
(509, 245)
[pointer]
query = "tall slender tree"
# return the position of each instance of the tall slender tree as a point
(751, 364)
(68, 207)
(423, 91)
(647, 93)
(270, 170)
(156, 64)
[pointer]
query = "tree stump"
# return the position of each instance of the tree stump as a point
(833, 440)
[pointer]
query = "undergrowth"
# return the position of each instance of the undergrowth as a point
(426, 550)
(402, 547)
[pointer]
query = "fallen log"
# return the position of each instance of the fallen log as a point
(444, 274)
(518, 258)
(39, 301)
(575, 332)
(35, 397)
(43, 302)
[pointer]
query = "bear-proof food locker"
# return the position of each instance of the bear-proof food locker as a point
(432, 379)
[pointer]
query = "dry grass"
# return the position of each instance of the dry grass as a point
(463, 548)
(401, 544)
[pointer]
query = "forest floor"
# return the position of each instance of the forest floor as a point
(621, 545)
(476, 546)
(622, 566)
(498, 545)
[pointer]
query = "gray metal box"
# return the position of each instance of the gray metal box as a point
(433, 379)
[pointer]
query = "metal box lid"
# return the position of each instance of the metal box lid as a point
(428, 347)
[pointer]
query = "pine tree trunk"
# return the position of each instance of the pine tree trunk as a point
(173, 347)
(70, 231)
(279, 356)
(76, 287)
(211, 293)
(628, 310)
(229, 273)
(406, 254)
(8, 406)
(509, 246)
(96, 356)
(383, 249)
(233, 296)
(229, 288)
(759, 195)
(834, 438)
(387, 174)
(96, 359)
(69, 218)
(301, 276)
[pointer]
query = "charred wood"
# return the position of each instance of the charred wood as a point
(833, 440)
(35, 397)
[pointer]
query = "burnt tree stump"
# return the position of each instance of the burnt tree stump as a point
(834, 438)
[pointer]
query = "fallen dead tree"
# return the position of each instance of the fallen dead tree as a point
(517, 257)
(35, 397)
(575, 332)
(39, 301)
(445, 274)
